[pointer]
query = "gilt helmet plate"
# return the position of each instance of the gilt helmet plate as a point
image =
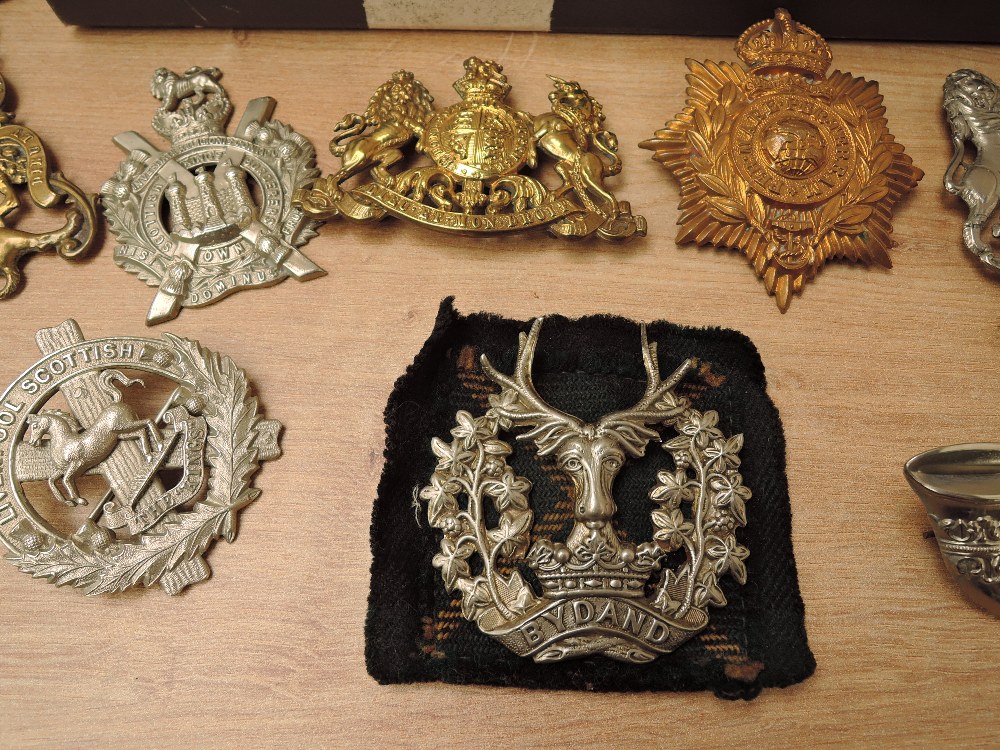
(783, 162)
(212, 214)
(480, 149)
(176, 473)
(597, 593)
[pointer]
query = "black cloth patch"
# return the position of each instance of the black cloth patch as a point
(415, 630)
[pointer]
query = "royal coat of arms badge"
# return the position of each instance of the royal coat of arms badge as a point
(972, 105)
(163, 487)
(479, 148)
(213, 214)
(783, 162)
(597, 593)
(23, 161)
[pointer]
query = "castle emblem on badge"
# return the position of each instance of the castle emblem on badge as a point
(23, 161)
(597, 594)
(175, 480)
(479, 148)
(213, 214)
(783, 162)
(972, 105)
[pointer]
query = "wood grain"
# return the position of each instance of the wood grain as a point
(868, 368)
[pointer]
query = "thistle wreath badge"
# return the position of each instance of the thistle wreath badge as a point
(212, 214)
(597, 593)
(783, 162)
(175, 481)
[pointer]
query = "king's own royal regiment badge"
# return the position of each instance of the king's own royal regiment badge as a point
(213, 214)
(23, 161)
(479, 149)
(103, 484)
(596, 593)
(784, 162)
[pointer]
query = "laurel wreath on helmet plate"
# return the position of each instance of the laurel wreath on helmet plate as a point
(231, 414)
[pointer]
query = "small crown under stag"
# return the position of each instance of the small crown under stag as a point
(783, 43)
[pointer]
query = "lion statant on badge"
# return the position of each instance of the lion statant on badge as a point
(479, 148)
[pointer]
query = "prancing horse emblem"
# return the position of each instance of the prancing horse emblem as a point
(175, 481)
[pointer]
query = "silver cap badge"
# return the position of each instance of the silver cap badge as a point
(207, 436)
(187, 219)
(593, 585)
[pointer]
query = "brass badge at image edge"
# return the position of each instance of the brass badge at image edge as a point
(23, 161)
(598, 593)
(479, 148)
(213, 214)
(783, 162)
(176, 479)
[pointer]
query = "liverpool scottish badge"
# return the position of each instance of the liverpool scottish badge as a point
(212, 214)
(783, 162)
(972, 105)
(163, 483)
(23, 161)
(597, 593)
(479, 148)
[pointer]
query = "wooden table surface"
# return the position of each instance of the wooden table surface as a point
(868, 368)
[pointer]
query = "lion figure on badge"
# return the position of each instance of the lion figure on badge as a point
(397, 112)
(971, 102)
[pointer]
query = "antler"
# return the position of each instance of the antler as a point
(630, 425)
(552, 426)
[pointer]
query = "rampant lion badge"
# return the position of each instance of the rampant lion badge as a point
(783, 162)
(23, 161)
(213, 214)
(972, 105)
(596, 593)
(479, 148)
(174, 480)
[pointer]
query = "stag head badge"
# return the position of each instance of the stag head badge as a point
(596, 593)
(212, 214)
(175, 481)
(783, 162)
(480, 148)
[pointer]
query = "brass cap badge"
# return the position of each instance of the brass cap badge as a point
(23, 161)
(479, 147)
(783, 162)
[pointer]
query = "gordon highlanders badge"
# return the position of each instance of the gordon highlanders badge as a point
(101, 490)
(783, 162)
(212, 214)
(597, 593)
(479, 148)
(23, 161)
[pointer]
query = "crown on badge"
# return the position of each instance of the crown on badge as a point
(483, 81)
(783, 43)
(191, 105)
(593, 569)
